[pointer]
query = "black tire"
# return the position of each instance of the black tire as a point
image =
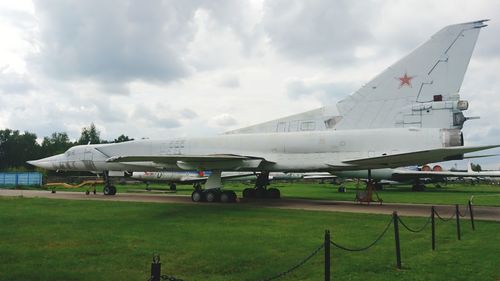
(197, 196)
(273, 193)
(260, 193)
(234, 197)
(418, 187)
(248, 193)
(173, 187)
(107, 190)
(212, 196)
(225, 197)
(87, 192)
(113, 190)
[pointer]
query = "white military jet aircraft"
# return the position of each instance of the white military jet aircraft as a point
(383, 125)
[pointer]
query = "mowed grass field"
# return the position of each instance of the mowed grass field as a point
(45, 239)
(453, 193)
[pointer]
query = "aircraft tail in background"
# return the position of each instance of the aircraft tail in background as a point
(469, 167)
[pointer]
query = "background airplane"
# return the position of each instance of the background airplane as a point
(195, 177)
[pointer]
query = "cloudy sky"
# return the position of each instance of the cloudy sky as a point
(189, 68)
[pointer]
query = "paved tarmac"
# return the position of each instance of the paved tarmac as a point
(423, 210)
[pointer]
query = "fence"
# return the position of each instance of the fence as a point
(20, 179)
(395, 221)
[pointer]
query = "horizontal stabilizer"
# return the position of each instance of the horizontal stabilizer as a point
(415, 158)
(401, 174)
(480, 156)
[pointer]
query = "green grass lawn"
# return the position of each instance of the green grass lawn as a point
(484, 194)
(44, 239)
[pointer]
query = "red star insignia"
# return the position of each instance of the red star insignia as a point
(405, 80)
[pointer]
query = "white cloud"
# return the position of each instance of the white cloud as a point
(224, 120)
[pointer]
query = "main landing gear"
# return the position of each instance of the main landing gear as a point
(260, 190)
(109, 189)
(418, 186)
(213, 191)
(214, 195)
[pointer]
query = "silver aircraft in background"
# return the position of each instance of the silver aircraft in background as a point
(410, 114)
(417, 175)
(198, 177)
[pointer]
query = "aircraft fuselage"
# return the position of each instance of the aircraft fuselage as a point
(300, 151)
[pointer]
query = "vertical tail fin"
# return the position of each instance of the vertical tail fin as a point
(420, 90)
(469, 167)
(427, 78)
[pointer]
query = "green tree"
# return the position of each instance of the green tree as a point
(57, 143)
(90, 135)
(122, 138)
(476, 167)
(17, 148)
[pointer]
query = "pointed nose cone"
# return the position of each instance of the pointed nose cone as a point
(47, 163)
(40, 163)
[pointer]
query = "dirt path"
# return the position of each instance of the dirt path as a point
(423, 210)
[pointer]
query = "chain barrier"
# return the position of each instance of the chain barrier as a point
(322, 246)
(166, 277)
(464, 214)
(301, 263)
(363, 248)
(443, 219)
(415, 230)
(170, 278)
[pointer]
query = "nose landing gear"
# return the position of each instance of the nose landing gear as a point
(109, 189)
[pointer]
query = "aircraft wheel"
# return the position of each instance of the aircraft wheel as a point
(212, 196)
(234, 197)
(197, 196)
(248, 193)
(226, 197)
(273, 193)
(113, 190)
(173, 187)
(107, 190)
(418, 187)
(260, 193)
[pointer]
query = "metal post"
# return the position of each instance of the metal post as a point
(457, 214)
(396, 238)
(156, 268)
(433, 223)
(471, 216)
(327, 255)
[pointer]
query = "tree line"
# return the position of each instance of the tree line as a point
(16, 148)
